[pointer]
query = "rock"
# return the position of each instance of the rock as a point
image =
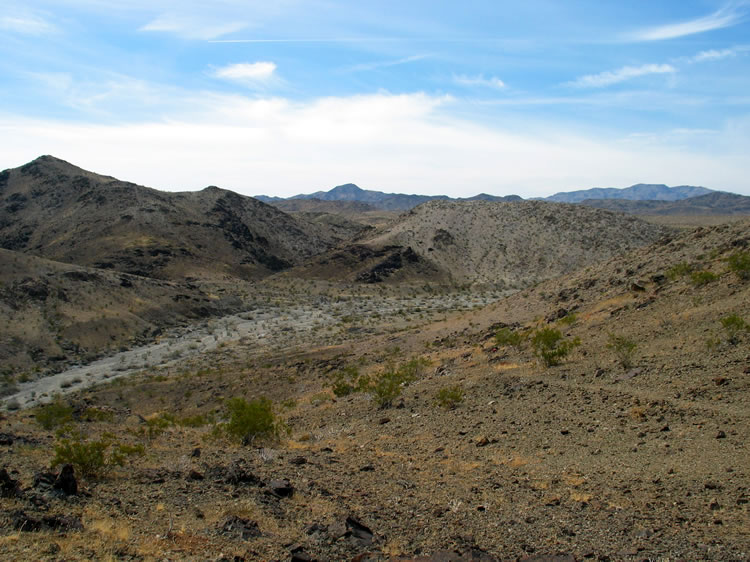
(383, 421)
(238, 527)
(236, 474)
(23, 522)
(66, 481)
(298, 461)
(196, 453)
(367, 468)
(6, 440)
(9, 488)
(721, 435)
(299, 555)
(359, 531)
(281, 488)
(481, 441)
(637, 287)
(194, 475)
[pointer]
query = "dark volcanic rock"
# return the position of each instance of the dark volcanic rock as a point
(66, 481)
(237, 527)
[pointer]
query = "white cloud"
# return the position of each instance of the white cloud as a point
(479, 81)
(26, 24)
(714, 54)
(402, 143)
(249, 73)
(724, 17)
(192, 27)
(611, 77)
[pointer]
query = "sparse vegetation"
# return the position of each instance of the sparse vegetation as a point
(93, 459)
(700, 278)
(734, 325)
(679, 270)
(251, 421)
(551, 346)
(507, 337)
(623, 348)
(450, 397)
(739, 263)
(54, 414)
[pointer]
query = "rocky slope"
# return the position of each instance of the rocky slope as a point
(506, 245)
(587, 460)
(52, 209)
(716, 203)
(638, 192)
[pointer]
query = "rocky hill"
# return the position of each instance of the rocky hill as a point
(505, 245)
(52, 209)
(638, 192)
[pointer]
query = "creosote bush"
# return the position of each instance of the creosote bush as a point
(93, 459)
(54, 414)
(551, 346)
(734, 325)
(739, 263)
(250, 421)
(507, 337)
(700, 278)
(623, 348)
(679, 270)
(450, 397)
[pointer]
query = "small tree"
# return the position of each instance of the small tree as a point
(551, 347)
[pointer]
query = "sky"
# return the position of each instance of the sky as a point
(407, 96)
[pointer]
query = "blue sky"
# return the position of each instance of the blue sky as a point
(413, 96)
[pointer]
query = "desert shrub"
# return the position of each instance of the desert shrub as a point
(739, 263)
(700, 278)
(92, 459)
(347, 381)
(386, 387)
(95, 414)
(568, 320)
(623, 348)
(156, 425)
(551, 346)
(450, 396)
(248, 421)
(733, 326)
(679, 270)
(507, 337)
(54, 414)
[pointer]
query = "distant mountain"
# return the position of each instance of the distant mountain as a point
(378, 199)
(713, 203)
(638, 192)
(52, 209)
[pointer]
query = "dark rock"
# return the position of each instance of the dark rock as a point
(383, 421)
(6, 440)
(721, 435)
(23, 522)
(194, 475)
(236, 474)
(367, 468)
(66, 481)
(9, 488)
(281, 488)
(359, 531)
(299, 555)
(298, 461)
(239, 528)
(549, 558)
(196, 453)
(637, 287)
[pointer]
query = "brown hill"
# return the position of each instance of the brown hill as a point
(52, 209)
(53, 313)
(505, 245)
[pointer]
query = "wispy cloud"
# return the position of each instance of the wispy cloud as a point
(365, 66)
(27, 24)
(247, 72)
(611, 77)
(714, 54)
(725, 17)
(190, 27)
(479, 81)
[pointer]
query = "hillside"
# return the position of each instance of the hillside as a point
(53, 314)
(504, 245)
(638, 192)
(590, 459)
(52, 209)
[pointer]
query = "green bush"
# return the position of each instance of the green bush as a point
(346, 381)
(248, 421)
(54, 414)
(92, 459)
(507, 337)
(623, 348)
(733, 326)
(679, 270)
(387, 386)
(739, 263)
(700, 278)
(551, 347)
(568, 320)
(450, 396)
